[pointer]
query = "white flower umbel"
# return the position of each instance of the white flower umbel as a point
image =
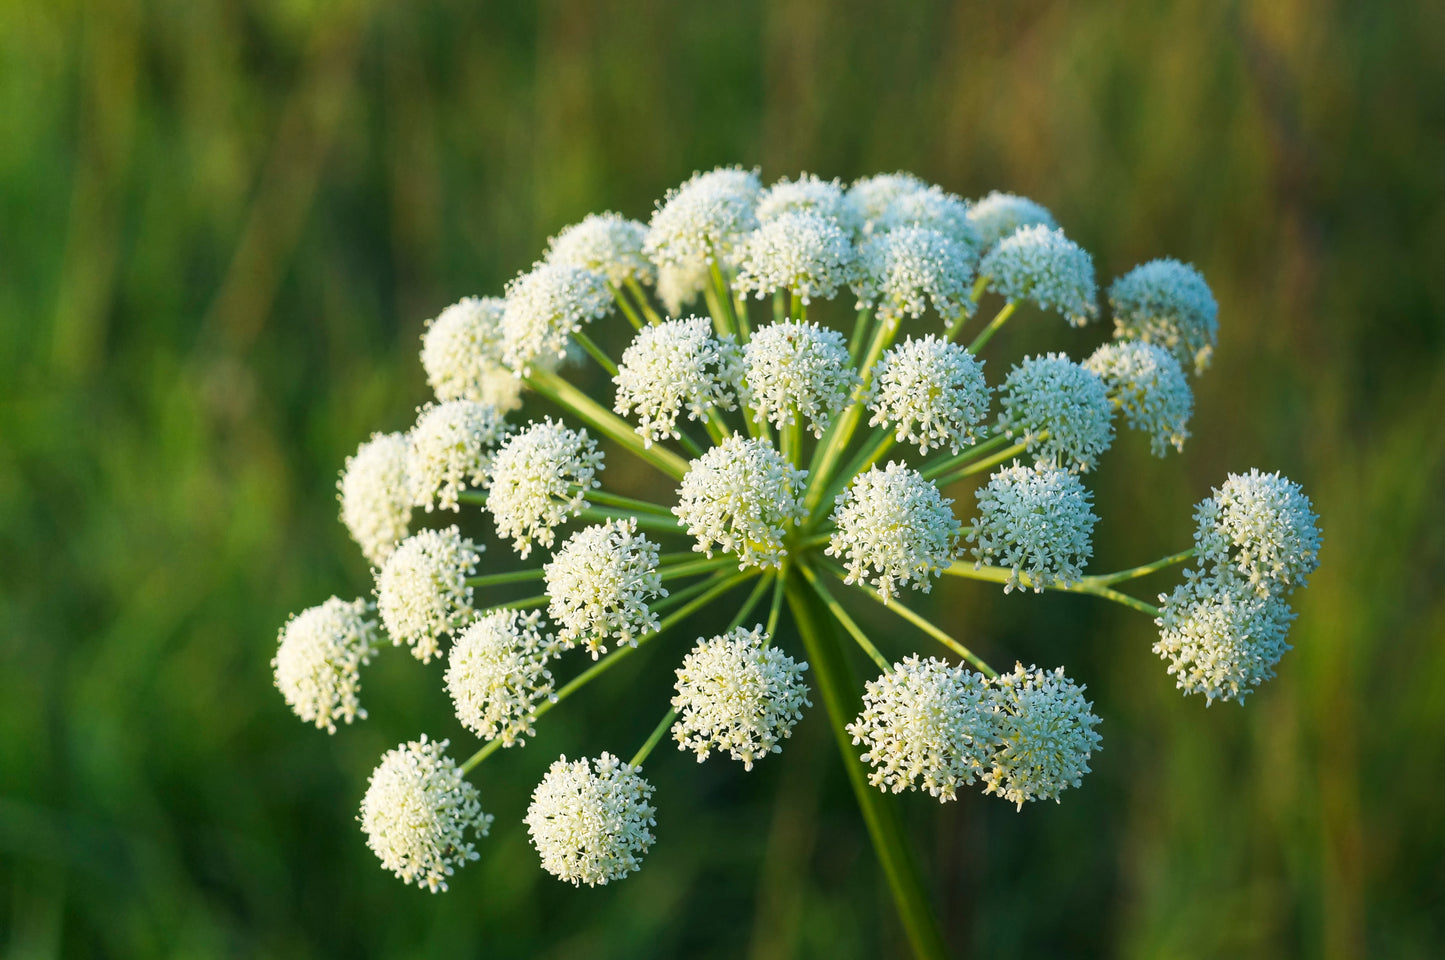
(591, 824)
(926, 724)
(375, 502)
(742, 496)
(417, 812)
(901, 272)
(1148, 385)
(1059, 410)
(539, 477)
(935, 209)
(1037, 522)
(1168, 303)
(930, 392)
(1219, 637)
(608, 243)
(1045, 735)
(449, 450)
(803, 253)
(319, 659)
(675, 366)
(461, 352)
(894, 529)
(422, 592)
(677, 287)
(872, 196)
(737, 695)
(1262, 527)
(1042, 266)
(808, 194)
(998, 215)
(545, 308)
(497, 674)
(600, 583)
(797, 370)
(704, 219)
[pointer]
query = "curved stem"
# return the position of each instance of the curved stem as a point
(981, 465)
(596, 352)
(938, 467)
(566, 395)
(642, 301)
(985, 335)
(1091, 586)
(628, 503)
(621, 300)
(653, 739)
(1133, 573)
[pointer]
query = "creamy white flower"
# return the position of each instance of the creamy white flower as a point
(592, 824)
(935, 209)
(930, 392)
(741, 495)
(1219, 637)
(895, 525)
(1037, 522)
(1262, 527)
(600, 583)
(1041, 265)
(422, 592)
(674, 366)
(608, 243)
(375, 502)
(797, 370)
(1045, 735)
(461, 352)
(926, 724)
(803, 253)
(539, 476)
(449, 449)
(545, 308)
(1148, 385)
(704, 219)
(904, 270)
(319, 659)
(739, 695)
(872, 196)
(998, 215)
(1059, 410)
(417, 812)
(1168, 303)
(677, 287)
(497, 675)
(808, 194)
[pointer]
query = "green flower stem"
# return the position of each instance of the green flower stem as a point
(879, 442)
(981, 465)
(720, 585)
(979, 286)
(564, 394)
(653, 739)
(621, 300)
(723, 295)
(717, 428)
(1133, 573)
(841, 615)
(1089, 585)
(777, 607)
(842, 701)
(780, 306)
(645, 521)
(628, 503)
(860, 331)
(754, 598)
(689, 445)
(642, 301)
(596, 352)
(955, 326)
(511, 576)
(796, 310)
(526, 603)
(740, 312)
(836, 440)
(691, 568)
(919, 621)
(939, 467)
(476, 498)
(715, 310)
(679, 597)
(985, 335)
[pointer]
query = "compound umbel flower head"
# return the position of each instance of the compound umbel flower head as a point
(591, 823)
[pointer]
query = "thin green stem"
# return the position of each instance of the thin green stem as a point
(596, 353)
(1133, 573)
(645, 521)
(564, 394)
(985, 335)
(777, 607)
(879, 443)
(780, 306)
(621, 300)
(841, 615)
(752, 601)
(795, 305)
(836, 440)
(511, 576)
(717, 428)
(653, 739)
(962, 568)
(979, 286)
(981, 465)
(477, 498)
(723, 295)
(938, 467)
(740, 314)
(526, 603)
(860, 332)
(642, 301)
(691, 568)
(628, 503)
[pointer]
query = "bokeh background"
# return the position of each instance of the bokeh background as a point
(222, 226)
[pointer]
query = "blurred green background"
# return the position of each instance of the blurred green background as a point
(223, 224)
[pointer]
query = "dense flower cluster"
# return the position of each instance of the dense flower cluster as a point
(591, 823)
(497, 674)
(1039, 264)
(1168, 303)
(318, 662)
(797, 371)
(1036, 522)
(375, 497)
(461, 352)
(741, 496)
(422, 591)
(931, 392)
(539, 477)
(1059, 410)
(674, 366)
(600, 583)
(893, 529)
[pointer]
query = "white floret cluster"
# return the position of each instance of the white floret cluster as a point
(1037, 523)
(375, 500)
(1262, 527)
(497, 674)
(741, 496)
(797, 371)
(738, 695)
(600, 584)
(802, 253)
(1045, 735)
(607, 243)
(1147, 384)
(674, 366)
(1168, 303)
(449, 449)
(999, 215)
(591, 822)
(894, 529)
(319, 658)
(461, 352)
(545, 308)
(1059, 410)
(1042, 266)
(1220, 638)
(901, 272)
(872, 197)
(705, 220)
(422, 591)
(932, 393)
(539, 477)
(809, 194)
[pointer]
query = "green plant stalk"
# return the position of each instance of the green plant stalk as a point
(842, 702)
(621, 300)
(849, 624)
(645, 521)
(511, 576)
(939, 467)
(879, 442)
(642, 301)
(566, 395)
(628, 503)
(750, 604)
(1089, 585)
(723, 295)
(836, 440)
(981, 465)
(596, 353)
(860, 331)
(1006, 311)
(979, 286)
(653, 739)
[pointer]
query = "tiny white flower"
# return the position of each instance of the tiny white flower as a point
(1041, 265)
(375, 501)
(1045, 731)
(998, 215)
(935, 209)
(704, 220)
(1262, 527)
(674, 366)
(600, 583)
(809, 194)
(319, 659)
(422, 592)
(461, 352)
(1219, 637)
(741, 495)
(497, 674)
(872, 196)
(539, 477)
(608, 243)
(1168, 303)
(417, 812)
(901, 272)
(449, 449)
(896, 526)
(591, 824)
(926, 724)
(736, 694)
(803, 253)
(1060, 410)
(1148, 385)
(930, 392)
(544, 308)
(1037, 522)
(678, 287)
(797, 370)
